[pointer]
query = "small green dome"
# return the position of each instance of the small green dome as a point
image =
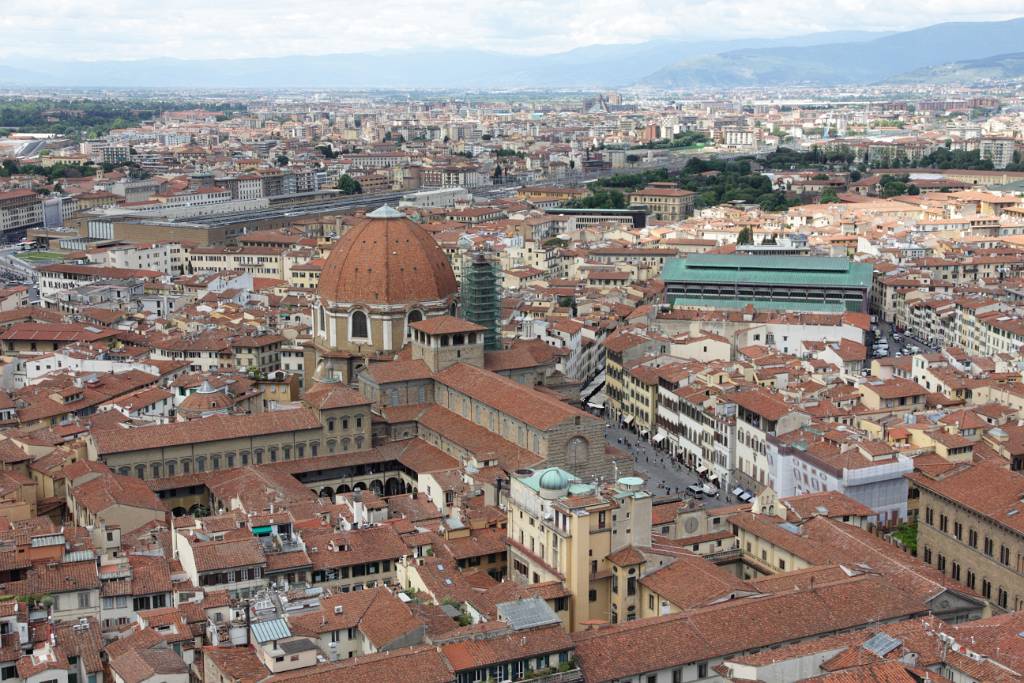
(553, 479)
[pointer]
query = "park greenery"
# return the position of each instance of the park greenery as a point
(11, 167)
(84, 118)
(715, 181)
(679, 141)
(790, 159)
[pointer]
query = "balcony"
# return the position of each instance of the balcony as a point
(570, 676)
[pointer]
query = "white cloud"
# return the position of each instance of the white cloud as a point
(133, 29)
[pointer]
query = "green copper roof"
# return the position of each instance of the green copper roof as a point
(717, 302)
(533, 481)
(812, 271)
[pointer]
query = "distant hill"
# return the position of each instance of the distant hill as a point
(998, 68)
(594, 66)
(845, 62)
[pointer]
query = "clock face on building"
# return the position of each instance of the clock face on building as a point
(690, 525)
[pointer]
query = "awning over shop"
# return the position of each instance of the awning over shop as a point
(593, 385)
(659, 437)
(713, 477)
(627, 420)
(702, 469)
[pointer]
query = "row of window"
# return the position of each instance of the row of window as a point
(970, 579)
(229, 460)
(332, 423)
(988, 544)
(219, 578)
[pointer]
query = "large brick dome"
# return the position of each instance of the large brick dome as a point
(386, 259)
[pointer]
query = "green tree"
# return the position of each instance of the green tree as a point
(945, 158)
(746, 236)
(282, 160)
(600, 199)
(893, 186)
(828, 196)
(327, 151)
(349, 185)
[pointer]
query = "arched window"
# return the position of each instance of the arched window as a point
(186, 466)
(155, 468)
(125, 471)
(359, 326)
(346, 443)
(323, 322)
(273, 453)
(414, 317)
(140, 471)
(200, 464)
(172, 468)
(330, 424)
(257, 456)
(215, 462)
(332, 446)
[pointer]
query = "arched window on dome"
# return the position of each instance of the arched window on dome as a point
(323, 323)
(358, 326)
(414, 317)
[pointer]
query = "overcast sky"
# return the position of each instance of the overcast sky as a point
(133, 29)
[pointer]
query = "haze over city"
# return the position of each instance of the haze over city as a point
(561, 342)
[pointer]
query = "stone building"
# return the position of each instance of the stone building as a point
(971, 530)
(337, 420)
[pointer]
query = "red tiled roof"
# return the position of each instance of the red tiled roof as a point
(213, 428)
(386, 260)
(446, 324)
(508, 396)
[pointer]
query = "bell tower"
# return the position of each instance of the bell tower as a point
(443, 341)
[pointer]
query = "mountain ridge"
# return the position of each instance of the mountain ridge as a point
(845, 62)
(600, 66)
(1002, 67)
